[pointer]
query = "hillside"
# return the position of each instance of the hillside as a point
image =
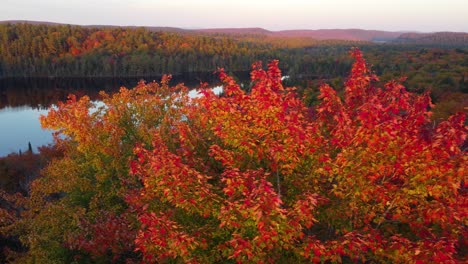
(319, 34)
(236, 31)
(437, 38)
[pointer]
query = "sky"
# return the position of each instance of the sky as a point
(395, 15)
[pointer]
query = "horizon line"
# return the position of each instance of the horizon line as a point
(219, 28)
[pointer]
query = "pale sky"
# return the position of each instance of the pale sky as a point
(394, 15)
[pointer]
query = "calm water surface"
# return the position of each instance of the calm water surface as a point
(23, 101)
(20, 125)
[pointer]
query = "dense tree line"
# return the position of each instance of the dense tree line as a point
(41, 50)
(447, 39)
(64, 51)
(441, 72)
(73, 51)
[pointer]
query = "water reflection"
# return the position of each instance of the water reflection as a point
(44, 92)
(23, 100)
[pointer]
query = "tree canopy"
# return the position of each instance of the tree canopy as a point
(153, 175)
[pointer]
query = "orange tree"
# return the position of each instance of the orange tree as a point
(252, 177)
(257, 177)
(396, 180)
(77, 210)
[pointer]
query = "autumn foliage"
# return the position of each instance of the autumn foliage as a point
(153, 175)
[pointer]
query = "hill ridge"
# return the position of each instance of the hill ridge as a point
(352, 34)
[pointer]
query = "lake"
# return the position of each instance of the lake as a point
(19, 126)
(23, 101)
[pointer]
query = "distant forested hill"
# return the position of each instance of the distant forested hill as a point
(48, 49)
(65, 50)
(438, 38)
(431, 62)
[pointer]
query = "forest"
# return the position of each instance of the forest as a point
(358, 157)
(41, 50)
(65, 51)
